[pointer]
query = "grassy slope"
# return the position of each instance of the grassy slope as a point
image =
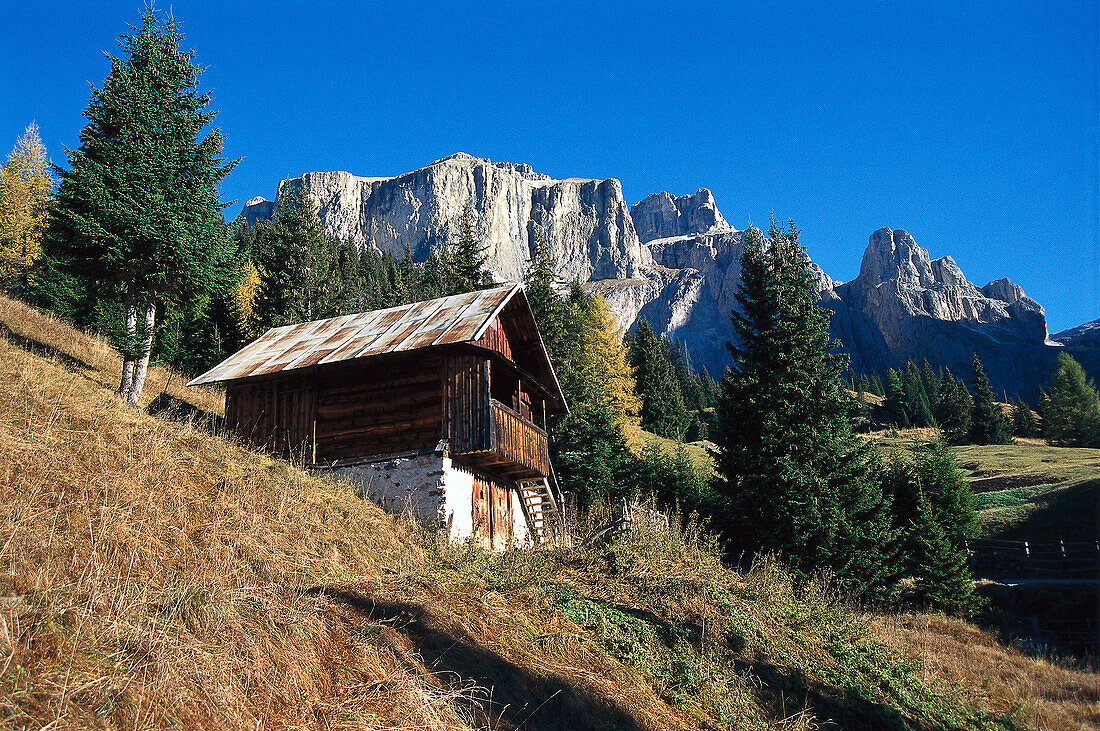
(1027, 490)
(154, 575)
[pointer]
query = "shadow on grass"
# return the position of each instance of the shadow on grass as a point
(169, 407)
(45, 351)
(516, 698)
(787, 691)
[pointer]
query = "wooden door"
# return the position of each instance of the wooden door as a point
(482, 511)
(500, 516)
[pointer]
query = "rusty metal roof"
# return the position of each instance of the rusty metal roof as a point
(456, 319)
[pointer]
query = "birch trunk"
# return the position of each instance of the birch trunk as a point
(129, 345)
(142, 362)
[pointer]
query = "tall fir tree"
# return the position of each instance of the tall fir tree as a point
(956, 407)
(988, 424)
(138, 209)
(794, 476)
(896, 400)
(465, 257)
(296, 261)
(1071, 414)
(1024, 423)
(663, 411)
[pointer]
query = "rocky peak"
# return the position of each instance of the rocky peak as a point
(894, 255)
(662, 215)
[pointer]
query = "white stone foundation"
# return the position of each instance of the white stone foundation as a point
(431, 488)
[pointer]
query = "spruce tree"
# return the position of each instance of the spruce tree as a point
(876, 385)
(988, 424)
(896, 400)
(465, 258)
(942, 577)
(663, 411)
(138, 211)
(793, 475)
(955, 409)
(1071, 416)
(296, 260)
(1023, 420)
(548, 307)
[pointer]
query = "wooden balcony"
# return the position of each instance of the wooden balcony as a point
(517, 440)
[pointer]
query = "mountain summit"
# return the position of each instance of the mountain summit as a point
(674, 261)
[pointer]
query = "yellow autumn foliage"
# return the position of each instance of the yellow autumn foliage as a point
(25, 189)
(603, 356)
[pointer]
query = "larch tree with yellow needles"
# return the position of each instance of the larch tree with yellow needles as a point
(26, 186)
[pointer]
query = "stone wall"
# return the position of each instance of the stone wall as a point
(430, 487)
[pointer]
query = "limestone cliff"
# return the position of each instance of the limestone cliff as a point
(675, 262)
(587, 221)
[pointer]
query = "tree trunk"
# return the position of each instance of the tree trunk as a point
(129, 345)
(142, 361)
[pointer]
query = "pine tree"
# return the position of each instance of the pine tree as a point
(708, 390)
(955, 409)
(896, 400)
(296, 260)
(602, 365)
(591, 456)
(548, 307)
(876, 385)
(988, 424)
(465, 258)
(1023, 420)
(1071, 416)
(949, 495)
(663, 411)
(942, 578)
(794, 476)
(931, 383)
(26, 186)
(138, 210)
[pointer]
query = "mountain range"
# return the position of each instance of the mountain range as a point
(674, 260)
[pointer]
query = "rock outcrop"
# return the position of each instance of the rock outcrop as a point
(661, 215)
(675, 262)
(587, 221)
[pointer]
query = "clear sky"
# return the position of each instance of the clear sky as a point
(974, 126)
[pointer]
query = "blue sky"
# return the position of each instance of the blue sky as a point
(974, 126)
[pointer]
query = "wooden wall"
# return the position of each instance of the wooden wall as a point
(379, 407)
(466, 402)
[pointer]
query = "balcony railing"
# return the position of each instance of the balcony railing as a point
(517, 439)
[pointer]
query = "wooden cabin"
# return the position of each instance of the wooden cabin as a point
(437, 407)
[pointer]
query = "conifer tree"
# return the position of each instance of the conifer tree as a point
(988, 424)
(663, 411)
(794, 477)
(465, 258)
(1071, 416)
(955, 409)
(603, 367)
(942, 578)
(26, 186)
(876, 385)
(931, 383)
(548, 307)
(1023, 420)
(296, 261)
(138, 210)
(896, 400)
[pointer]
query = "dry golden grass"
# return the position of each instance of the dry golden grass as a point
(94, 357)
(153, 575)
(993, 677)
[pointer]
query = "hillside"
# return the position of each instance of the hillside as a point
(154, 574)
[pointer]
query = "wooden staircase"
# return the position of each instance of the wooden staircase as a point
(543, 510)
